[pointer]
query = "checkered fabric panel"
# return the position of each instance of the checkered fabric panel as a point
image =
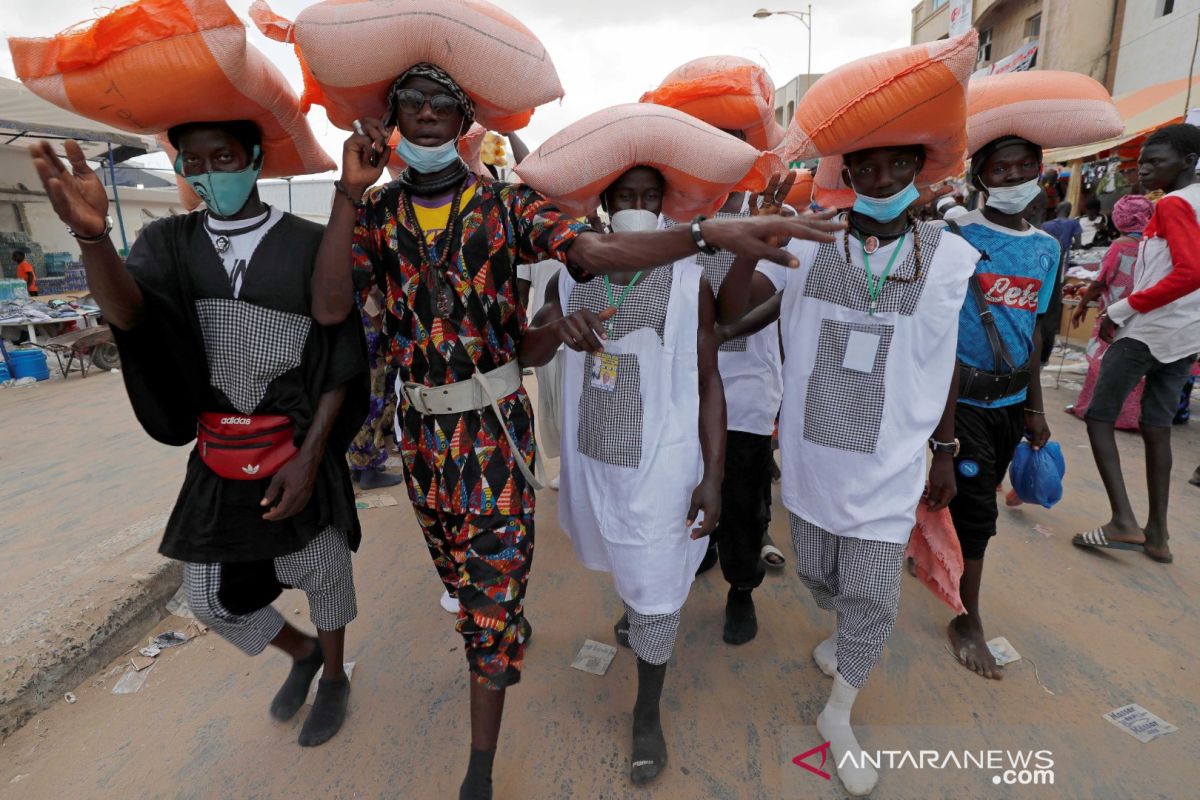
(249, 346)
(844, 407)
(645, 307)
(652, 636)
(833, 281)
(610, 423)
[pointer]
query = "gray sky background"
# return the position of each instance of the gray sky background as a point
(605, 52)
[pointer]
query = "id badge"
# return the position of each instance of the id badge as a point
(604, 372)
(860, 351)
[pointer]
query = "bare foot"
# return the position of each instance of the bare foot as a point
(971, 649)
(1157, 548)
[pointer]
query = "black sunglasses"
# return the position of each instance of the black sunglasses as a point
(411, 101)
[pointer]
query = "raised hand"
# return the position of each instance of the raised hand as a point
(365, 155)
(584, 330)
(76, 195)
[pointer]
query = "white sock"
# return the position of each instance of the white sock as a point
(825, 654)
(834, 725)
(449, 603)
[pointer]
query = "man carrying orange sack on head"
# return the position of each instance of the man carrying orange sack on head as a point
(443, 245)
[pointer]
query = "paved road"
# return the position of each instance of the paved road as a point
(1102, 631)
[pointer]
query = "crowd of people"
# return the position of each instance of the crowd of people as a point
(899, 358)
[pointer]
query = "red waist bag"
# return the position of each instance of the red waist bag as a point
(245, 448)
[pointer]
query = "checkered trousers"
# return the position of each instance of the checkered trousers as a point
(860, 580)
(322, 569)
(652, 636)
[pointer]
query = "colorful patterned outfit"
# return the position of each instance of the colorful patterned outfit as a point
(369, 450)
(462, 475)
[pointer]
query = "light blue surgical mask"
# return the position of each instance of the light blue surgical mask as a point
(1013, 199)
(224, 193)
(886, 209)
(428, 160)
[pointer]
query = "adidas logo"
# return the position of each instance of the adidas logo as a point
(250, 469)
(235, 420)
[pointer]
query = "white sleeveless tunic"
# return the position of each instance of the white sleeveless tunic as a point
(631, 457)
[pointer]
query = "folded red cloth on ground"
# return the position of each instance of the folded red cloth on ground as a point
(935, 550)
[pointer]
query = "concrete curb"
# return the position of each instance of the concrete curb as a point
(86, 630)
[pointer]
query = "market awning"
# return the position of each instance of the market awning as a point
(25, 115)
(1143, 111)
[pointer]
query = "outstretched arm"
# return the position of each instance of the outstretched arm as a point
(707, 496)
(757, 238)
(754, 320)
(79, 200)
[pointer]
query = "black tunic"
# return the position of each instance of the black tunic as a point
(199, 349)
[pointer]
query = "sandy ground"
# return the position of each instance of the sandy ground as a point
(1097, 631)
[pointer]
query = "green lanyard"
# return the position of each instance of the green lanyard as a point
(616, 302)
(875, 285)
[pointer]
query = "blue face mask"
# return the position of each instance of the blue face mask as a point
(224, 193)
(886, 209)
(428, 160)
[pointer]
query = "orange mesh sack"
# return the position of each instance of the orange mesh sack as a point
(727, 92)
(469, 147)
(1049, 108)
(937, 555)
(914, 95)
(701, 164)
(352, 50)
(153, 64)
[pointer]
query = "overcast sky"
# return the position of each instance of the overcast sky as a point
(606, 52)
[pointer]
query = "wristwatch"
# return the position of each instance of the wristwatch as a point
(949, 448)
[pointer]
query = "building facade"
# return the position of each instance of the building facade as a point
(1070, 35)
(1157, 44)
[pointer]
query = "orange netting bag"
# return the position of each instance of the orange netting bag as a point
(351, 50)
(154, 64)
(700, 163)
(1049, 108)
(937, 556)
(727, 92)
(913, 95)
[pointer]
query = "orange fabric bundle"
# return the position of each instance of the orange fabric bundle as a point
(727, 92)
(468, 147)
(351, 50)
(154, 64)
(700, 163)
(913, 95)
(1049, 108)
(801, 194)
(935, 550)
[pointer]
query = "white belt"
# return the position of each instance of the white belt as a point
(484, 389)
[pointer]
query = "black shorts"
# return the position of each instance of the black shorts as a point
(1125, 363)
(989, 437)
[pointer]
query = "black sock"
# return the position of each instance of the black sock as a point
(649, 745)
(741, 623)
(478, 783)
(292, 694)
(328, 712)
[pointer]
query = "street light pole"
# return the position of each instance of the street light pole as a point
(806, 18)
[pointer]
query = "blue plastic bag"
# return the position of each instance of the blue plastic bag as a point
(1037, 475)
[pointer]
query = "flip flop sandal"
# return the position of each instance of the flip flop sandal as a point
(1096, 538)
(772, 550)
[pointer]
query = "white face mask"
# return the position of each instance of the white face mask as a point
(634, 219)
(1013, 199)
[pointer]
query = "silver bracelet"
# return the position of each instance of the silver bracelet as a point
(100, 237)
(1034, 411)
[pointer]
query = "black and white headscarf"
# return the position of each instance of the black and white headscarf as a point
(439, 76)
